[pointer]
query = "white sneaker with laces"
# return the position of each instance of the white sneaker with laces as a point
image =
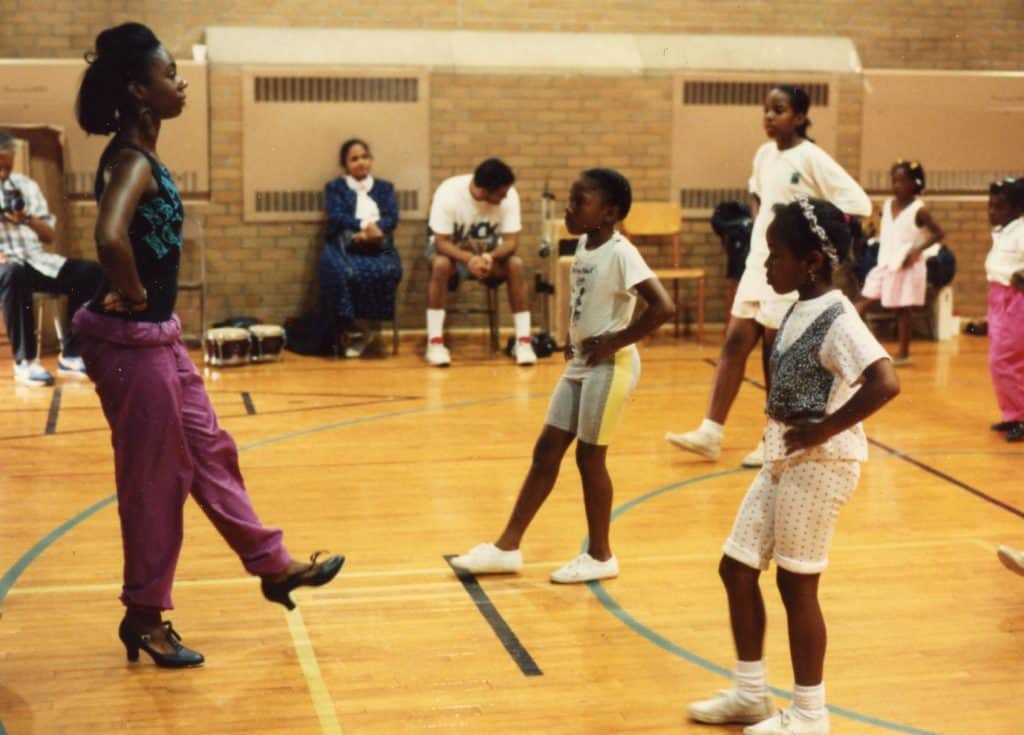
(788, 722)
(525, 354)
(585, 568)
(698, 442)
(1011, 559)
(438, 355)
(32, 373)
(71, 366)
(755, 458)
(489, 559)
(726, 707)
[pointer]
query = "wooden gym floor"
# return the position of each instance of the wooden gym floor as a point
(397, 465)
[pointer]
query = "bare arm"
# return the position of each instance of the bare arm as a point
(44, 231)
(507, 248)
(130, 177)
(879, 387)
(659, 309)
(935, 234)
(478, 265)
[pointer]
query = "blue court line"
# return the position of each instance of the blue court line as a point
(661, 642)
(12, 574)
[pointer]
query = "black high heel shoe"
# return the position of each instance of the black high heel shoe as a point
(314, 575)
(182, 658)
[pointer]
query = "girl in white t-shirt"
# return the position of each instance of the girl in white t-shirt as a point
(900, 279)
(828, 374)
(1004, 269)
(608, 273)
(788, 165)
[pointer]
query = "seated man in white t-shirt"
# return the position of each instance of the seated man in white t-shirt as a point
(474, 231)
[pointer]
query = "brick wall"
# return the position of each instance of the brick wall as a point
(926, 34)
(548, 126)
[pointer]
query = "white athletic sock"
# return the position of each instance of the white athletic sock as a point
(714, 428)
(751, 681)
(809, 702)
(522, 321)
(435, 324)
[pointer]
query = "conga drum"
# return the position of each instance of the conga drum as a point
(226, 346)
(267, 342)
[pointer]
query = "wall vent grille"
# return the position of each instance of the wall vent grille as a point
(335, 89)
(752, 93)
(948, 181)
(312, 201)
(708, 199)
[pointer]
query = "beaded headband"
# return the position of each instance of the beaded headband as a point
(819, 232)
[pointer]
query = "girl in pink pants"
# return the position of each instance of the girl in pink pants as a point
(1004, 268)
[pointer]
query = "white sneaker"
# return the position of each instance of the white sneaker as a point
(32, 373)
(585, 568)
(788, 722)
(1012, 559)
(438, 355)
(726, 707)
(698, 442)
(525, 354)
(71, 366)
(489, 559)
(755, 458)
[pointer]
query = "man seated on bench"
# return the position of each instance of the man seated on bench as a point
(25, 224)
(474, 231)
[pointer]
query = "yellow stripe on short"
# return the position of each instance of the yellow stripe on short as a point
(617, 395)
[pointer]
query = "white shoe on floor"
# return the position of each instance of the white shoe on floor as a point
(788, 722)
(585, 568)
(755, 458)
(1011, 559)
(70, 366)
(698, 442)
(489, 559)
(438, 355)
(525, 354)
(32, 373)
(726, 707)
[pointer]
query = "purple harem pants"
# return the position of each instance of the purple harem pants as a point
(1006, 348)
(167, 444)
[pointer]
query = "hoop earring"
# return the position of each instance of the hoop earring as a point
(812, 277)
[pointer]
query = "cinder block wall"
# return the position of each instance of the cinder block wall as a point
(544, 126)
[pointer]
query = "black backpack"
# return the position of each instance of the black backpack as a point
(732, 223)
(308, 335)
(941, 267)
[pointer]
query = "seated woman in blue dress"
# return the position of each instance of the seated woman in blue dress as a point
(359, 268)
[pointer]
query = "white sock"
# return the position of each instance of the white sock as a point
(714, 428)
(435, 324)
(522, 321)
(751, 681)
(809, 702)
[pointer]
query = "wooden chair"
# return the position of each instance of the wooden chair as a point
(664, 220)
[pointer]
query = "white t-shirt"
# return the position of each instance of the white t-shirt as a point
(847, 349)
(778, 176)
(898, 234)
(473, 225)
(1007, 254)
(603, 288)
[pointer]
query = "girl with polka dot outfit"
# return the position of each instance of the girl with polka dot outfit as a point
(828, 374)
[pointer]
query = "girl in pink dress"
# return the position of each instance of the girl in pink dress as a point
(899, 281)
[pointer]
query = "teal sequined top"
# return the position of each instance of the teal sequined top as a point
(155, 235)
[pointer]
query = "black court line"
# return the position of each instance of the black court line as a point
(250, 408)
(948, 478)
(927, 468)
(54, 412)
(501, 629)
